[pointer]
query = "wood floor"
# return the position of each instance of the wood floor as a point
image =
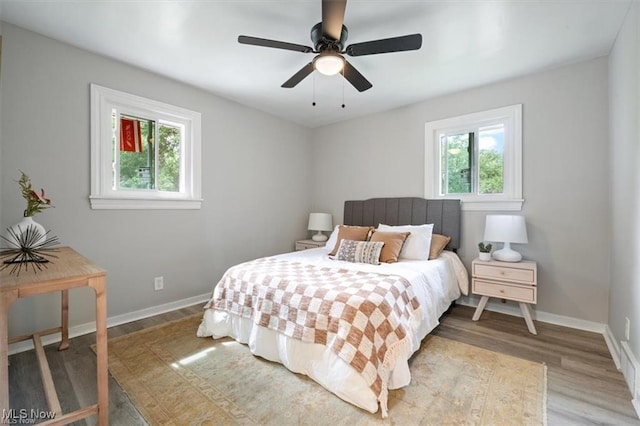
(584, 386)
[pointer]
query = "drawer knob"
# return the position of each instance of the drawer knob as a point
(502, 291)
(501, 272)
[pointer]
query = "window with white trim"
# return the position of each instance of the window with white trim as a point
(476, 158)
(145, 154)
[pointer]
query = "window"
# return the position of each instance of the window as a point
(476, 158)
(144, 154)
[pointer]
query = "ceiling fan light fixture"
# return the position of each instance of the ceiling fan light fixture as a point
(329, 63)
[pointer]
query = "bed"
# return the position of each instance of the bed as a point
(366, 325)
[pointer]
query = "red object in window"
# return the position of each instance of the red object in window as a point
(130, 136)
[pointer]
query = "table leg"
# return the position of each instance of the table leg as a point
(6, 299)
(64, 344)
(99, 285)
(480, 308)
(524, 307)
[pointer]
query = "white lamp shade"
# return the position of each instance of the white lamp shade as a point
(505, 229)
(320, 222)
(328, 63)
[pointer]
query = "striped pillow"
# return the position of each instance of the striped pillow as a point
(360, 251)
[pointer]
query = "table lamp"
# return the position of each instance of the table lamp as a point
(506, 229)
(320, 222)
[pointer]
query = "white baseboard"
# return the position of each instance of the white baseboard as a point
(513, 308)
(90, 327)
(612, 344)
(630, 368)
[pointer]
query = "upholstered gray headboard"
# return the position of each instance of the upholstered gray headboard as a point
(444, 214)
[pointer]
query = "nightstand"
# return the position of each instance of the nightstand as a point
(515, 281)
(309, 244)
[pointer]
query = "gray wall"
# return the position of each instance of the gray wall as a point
(249, 157)
(256, 177)
(565, 174)
(624, 81)
(1, 114)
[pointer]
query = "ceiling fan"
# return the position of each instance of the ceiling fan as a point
(329, 37)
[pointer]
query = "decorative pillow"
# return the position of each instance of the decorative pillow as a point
(355, 233)
(393, 242)
(417, 245)
(360, 251)
(438, 243)
(333, 238)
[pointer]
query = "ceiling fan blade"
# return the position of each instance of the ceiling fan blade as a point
(333, 18)
(299, 76)
(356, 79)
(387, 45)
(255, 41)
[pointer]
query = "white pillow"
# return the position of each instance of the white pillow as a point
(417, 244)
(333, 239)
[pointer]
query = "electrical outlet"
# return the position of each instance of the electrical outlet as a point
(627, 328)
(158, 283)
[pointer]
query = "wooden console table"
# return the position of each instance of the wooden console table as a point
(70, 270)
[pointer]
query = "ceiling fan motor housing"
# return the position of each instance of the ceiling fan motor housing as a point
(322, 43)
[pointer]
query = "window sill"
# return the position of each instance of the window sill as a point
(103, 203)
(492, 205)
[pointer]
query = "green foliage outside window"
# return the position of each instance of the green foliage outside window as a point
(169, 159)
(491, 172)
(457, 166)
(137, 168)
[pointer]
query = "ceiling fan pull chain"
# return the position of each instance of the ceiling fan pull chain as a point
(314, 90)
(342, 88)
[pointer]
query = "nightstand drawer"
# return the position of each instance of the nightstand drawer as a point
(303, 246)
(504, 273)
(309, 244)
(505, 291)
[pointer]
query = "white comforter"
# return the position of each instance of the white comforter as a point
(436, 283)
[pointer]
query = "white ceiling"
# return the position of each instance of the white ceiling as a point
(465, 44)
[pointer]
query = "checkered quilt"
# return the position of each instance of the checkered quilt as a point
(363, 317)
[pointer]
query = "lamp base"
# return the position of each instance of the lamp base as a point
(507, 255)
(319, 237)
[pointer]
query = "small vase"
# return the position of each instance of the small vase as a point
(27, 233)
(485, 257)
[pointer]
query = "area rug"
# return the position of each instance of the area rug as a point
(176, 378)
